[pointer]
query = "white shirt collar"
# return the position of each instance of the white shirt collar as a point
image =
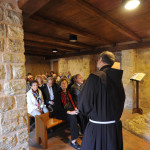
(78, 84)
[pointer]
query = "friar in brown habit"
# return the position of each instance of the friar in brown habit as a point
(102, 100)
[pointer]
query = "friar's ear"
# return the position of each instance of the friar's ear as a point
(100, 59)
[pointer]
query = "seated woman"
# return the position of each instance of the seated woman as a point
(35, 102)
(44, 78)
(65, 109)
(40, 81)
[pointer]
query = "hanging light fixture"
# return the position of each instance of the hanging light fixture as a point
(73, 38)
(131, 4)
(54, 50)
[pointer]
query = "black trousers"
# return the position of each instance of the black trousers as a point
(73, 122)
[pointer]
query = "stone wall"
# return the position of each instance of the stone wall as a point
(79, 64)
(143, 66)
(83, 65)
(13, 111)
(37, 65)
(136, 61)
(128, 62)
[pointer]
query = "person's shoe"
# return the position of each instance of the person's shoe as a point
(75, 145)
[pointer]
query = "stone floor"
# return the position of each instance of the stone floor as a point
(59, 139)
(139, 125)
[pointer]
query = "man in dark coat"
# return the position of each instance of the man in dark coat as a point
(75, 91)
(77, 87)
(49, 92)
(102, 100)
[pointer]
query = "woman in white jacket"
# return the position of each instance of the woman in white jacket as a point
(35, 102)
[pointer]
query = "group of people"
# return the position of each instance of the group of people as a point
(95, 106)
(42, 79)
(59, 97)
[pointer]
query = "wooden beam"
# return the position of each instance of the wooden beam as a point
(138, 45)
(33, 49)
(50, 40)
(70, 29)
(89, 8)
(112, 49)
(28, 53)
(37, 53)
(30, 50)
(49, 46)
(30, 7)
(43, 51)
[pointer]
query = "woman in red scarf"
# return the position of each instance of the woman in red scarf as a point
(65, 109)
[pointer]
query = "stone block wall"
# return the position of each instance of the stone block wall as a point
(128, 62)
(83, 65)
(143, 66)
(136, 61)
(13, 110)
(37, 65)
(79, 64)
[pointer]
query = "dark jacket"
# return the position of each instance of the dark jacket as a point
(75, 90)
(46, 94)
(42, 87)
(102, 99)
(59, 111)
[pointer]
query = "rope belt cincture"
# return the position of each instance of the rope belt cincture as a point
(102, 122)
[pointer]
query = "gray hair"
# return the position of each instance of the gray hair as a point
(107, 57)
(49, 78)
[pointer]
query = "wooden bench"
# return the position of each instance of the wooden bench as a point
(42, 123)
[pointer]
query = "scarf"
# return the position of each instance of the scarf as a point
(37, 97)
(64, 99)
